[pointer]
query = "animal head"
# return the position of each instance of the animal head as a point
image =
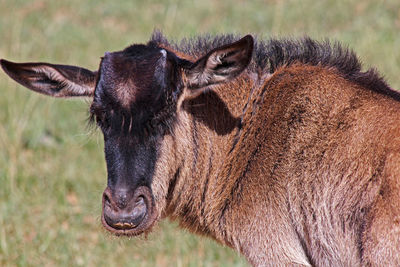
(136, 96)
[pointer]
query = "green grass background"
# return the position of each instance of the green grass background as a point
(52, 170)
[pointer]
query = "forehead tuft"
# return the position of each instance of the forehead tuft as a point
(133, 76)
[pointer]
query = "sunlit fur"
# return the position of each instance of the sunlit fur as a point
(292, 163)
(294, 159)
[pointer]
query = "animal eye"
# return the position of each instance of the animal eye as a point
(98, 115)
(103, 122)
(100, 119)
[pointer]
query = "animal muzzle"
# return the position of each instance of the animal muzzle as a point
(126, 212)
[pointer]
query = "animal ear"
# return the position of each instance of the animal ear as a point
(221, 64)
(52, 80)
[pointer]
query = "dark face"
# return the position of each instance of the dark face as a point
(134, 105)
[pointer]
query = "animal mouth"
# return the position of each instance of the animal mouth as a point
(134, 218)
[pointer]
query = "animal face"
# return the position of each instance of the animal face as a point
(136, 94)
(134, 105)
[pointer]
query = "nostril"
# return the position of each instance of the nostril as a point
(107, 198)
(139, 210)
(139, 204)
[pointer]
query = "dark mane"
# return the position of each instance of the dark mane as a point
(271, 54)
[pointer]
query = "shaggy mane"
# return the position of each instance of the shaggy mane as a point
(271, 54)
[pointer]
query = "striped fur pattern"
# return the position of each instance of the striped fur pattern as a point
(295, 162)
(285, 150)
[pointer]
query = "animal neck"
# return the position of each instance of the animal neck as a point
(212, 123)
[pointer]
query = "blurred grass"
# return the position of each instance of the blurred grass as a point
(52, 170)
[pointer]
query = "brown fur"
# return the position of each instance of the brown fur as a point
(313, 178)
(295, 163)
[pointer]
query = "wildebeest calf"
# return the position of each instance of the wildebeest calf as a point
(283, 149)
